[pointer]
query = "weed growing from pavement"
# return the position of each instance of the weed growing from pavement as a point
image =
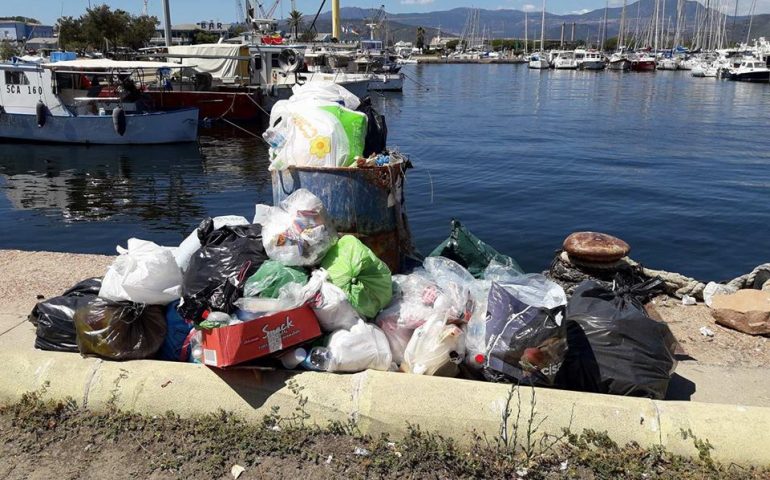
(207, 446)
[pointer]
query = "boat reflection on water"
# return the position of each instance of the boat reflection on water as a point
(153, 192)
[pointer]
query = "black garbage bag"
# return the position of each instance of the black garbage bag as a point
(54, 318)
(466, 249)
(525, 344)
(614, 346)
(214, 278)
(120, 330)
(376, 130)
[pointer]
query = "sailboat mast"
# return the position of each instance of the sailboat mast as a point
(542, 30)
(622, 31)
(526, 34)
(655, 40)
(604, 26)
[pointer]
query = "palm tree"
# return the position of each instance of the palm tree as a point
(295, 22)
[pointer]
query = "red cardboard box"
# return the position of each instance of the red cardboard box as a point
(257, 338)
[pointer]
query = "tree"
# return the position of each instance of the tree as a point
(70, 33)
(420, 43)
(100, 24)
(202, 36)
(452, 44)
(139, 32)
(7, 50)
(295, 22)
(611, 44)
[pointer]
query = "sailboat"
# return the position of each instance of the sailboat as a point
(539, 60)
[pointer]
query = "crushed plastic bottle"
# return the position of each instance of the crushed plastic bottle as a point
(196, 347)
(319, 359)
(274, 139)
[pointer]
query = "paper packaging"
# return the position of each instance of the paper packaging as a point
(226, 346)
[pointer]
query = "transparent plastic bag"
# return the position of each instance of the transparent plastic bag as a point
(434, 347)
(713, 288)
(536, 290)
(143, 273)
(455, 283)
(120, 330)
(298, 232)
(332, 308)
(398, 336)
(362, 347)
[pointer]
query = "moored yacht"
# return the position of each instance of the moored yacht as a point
(538, 61)
(750, 70)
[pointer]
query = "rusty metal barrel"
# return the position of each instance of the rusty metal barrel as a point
(365, 202)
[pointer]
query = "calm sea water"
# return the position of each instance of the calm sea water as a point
(677, 166)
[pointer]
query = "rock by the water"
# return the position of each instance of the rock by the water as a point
(595, 247)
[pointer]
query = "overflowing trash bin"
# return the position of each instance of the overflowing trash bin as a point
(319, 281)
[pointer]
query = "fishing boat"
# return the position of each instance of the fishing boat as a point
(750, 70)
(590, 60)
(671, 63)
(95, 101)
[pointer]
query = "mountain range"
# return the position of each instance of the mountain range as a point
(505, 23)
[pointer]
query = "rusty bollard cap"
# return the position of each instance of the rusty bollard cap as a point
(595, 247)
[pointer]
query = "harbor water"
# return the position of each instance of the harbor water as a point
(677, 166)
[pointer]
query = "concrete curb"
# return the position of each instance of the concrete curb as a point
(385, 402)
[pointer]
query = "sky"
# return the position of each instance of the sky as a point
(191, 11)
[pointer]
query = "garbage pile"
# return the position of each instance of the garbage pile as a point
(289, 290)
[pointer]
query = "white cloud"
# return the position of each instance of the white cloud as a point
(416, 2)
(528, 7)
(579, 12)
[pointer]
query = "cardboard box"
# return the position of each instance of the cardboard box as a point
(226, 346)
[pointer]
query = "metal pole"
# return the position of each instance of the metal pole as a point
(167, 22)
(336, 19)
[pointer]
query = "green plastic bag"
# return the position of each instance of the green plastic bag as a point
(270, 278)
(363, 277)
(355, 124)
(466, 249)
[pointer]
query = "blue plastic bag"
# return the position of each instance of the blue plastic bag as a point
(176, 344)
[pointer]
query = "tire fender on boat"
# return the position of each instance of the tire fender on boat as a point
(41, 112)
(119, 120)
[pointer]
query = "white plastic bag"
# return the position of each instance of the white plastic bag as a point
(362, 347)
(302, 134)
(433, 346)
(333, 309)
(298, 232)
(143, 273)
(326, 91)
(184, 252)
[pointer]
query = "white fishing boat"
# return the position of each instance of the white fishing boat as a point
(668, 63)
(87, 102)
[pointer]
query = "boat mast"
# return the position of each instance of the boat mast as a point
(167, 22)
(526, 34)
(542, 30)
(604, 27)
(657, 4)
(622, 32)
